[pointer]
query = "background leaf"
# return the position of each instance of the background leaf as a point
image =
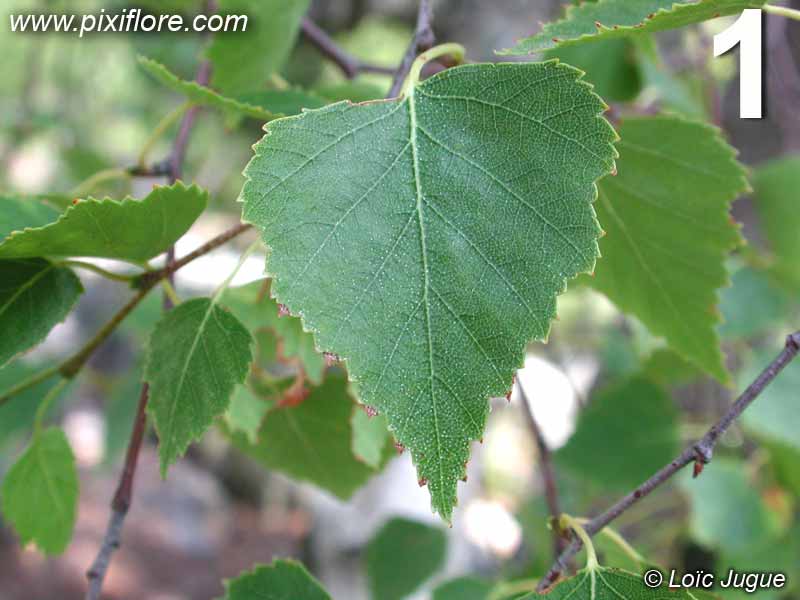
(311, 441)
(775, 415)
(611, 66)
(128, 229)
(40, 492)
(626, 433)
(453, 219)
(777, 196)
(243, 61)
(282, 580)
(197, 354)
(669, 232)
(18, 212)
(41, 291)
(726, 510)
(463, 588)
(606, 19)
(401, 556)
(200, 94)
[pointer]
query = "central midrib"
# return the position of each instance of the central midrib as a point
(412, 112)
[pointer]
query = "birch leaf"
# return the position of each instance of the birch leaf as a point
(452, 217)
(128, 229)
(197, 354)
(669, 230)
(40, 292)
(311, 441)
(282, 580)
(200, 94)
(19, 212)
(607, 19)
(244, 60)
(401, 556)
(777, 186)
(40, 492)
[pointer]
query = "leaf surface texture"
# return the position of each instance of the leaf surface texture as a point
(451, 219)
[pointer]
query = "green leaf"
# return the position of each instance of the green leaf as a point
(627, 432)
(370, 435)
(288, 102)
(311, 441)
(128, 229)
(669, 230)
(667, 368)
(751, 288)
(611, 66)
(601, 583)
(282, 580)
(18, 213)
(401, 556)
(253, 306)
(464, 588)
(35, 295)
(775, 414)
(777, 195)
(726, 509)
(197, 354)
(205, 96)
(606, 19)
(357, 90)
(452, 218)
(248, 407)
(40, 492)
(243, 61)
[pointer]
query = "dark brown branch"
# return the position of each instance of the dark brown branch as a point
(350, 65)
(698, 454)
(423, 40)
(547, 471)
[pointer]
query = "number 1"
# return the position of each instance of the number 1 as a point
(746, 33)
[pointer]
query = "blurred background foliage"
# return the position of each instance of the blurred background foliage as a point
(613, 402)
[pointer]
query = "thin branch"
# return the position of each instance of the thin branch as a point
(350, 65)
(120, 504)
(423, 40)
(547, 471)
(147, 280)
(699, 453)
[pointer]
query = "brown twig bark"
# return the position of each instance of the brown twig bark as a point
(121, 502)
(699, 454)
(350, 65)
(423, 40)
(547, 471)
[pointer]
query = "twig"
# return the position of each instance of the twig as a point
(350, 65)
(120, 504)
(423, 40)
(147, 280)
(547, 471)
(699, 453)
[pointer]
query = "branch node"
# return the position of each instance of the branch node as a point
(793, 341)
